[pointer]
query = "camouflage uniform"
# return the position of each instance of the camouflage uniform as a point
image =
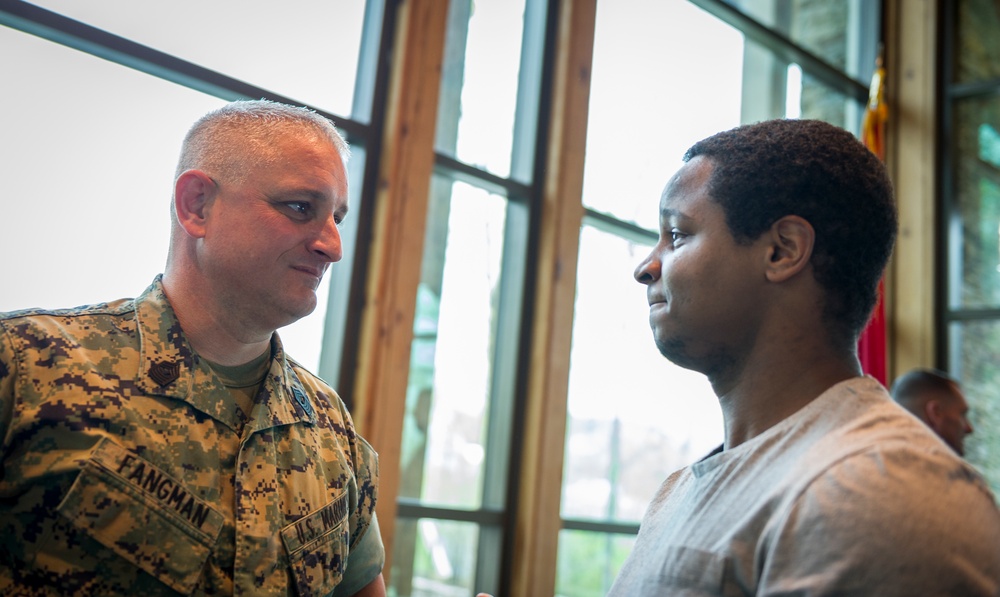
(123, 471)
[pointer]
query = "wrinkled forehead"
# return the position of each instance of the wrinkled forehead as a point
(295, 152)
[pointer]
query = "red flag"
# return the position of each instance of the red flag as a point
(872, 345)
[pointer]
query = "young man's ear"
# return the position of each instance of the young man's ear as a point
(791, 246)
(193, 194)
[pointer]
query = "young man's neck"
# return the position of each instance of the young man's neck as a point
(765, 395)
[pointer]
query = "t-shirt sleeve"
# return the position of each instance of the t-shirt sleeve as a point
(364, 562)
(887, 522)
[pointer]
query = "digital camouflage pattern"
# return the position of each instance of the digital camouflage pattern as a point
(123, 472)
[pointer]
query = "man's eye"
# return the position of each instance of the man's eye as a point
(676, 235)
(300, 207)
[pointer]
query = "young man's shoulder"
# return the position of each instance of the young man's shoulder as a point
(888, 513)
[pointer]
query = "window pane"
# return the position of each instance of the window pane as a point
(444, 434)
(88, 182)
(589, 562)
(653, 96)
(434, 558)
(479, 86)
(330, 334)
(775, 88)
(633, 416)
(974, 348)
(974, 228)
(822, 103)
(831, 29)
(635, 99)
(977, 55)
(307, 51)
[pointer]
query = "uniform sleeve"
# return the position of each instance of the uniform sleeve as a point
(366, 554)
(887, 523)
(8, 370)
(365, 461)
(364, 562)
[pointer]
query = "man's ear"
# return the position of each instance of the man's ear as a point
(935, 417)
(791, 245)
(193, 194)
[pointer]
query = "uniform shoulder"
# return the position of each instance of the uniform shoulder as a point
(307, 376)
(89, 319)
(316, 385)
(116, 307)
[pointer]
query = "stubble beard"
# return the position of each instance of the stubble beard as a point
(713, 364)
(673, 350)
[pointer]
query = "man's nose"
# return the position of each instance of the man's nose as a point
(328, 242)
(648, 270)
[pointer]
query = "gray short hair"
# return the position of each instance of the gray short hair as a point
(230, 141)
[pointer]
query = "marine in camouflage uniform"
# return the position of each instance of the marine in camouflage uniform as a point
(167, 445)
(125, 473)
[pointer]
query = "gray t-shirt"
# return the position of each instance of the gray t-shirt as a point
(851, 495)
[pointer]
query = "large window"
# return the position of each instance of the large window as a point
(457, 436)
(970, 221)
(681, 72)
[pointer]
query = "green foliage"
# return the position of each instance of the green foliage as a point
(589, 562)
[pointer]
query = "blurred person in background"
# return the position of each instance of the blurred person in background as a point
(936, 399)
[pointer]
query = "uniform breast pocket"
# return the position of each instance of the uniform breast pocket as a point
(143, 515)
(317, 548)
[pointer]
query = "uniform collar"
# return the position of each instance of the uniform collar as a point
(170, 367)
(285, 401)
